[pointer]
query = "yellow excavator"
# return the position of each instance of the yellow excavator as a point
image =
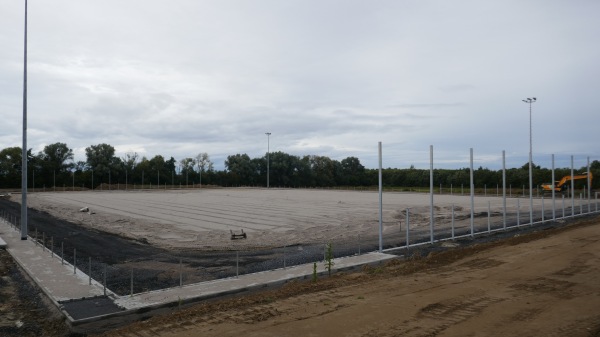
(561, 185)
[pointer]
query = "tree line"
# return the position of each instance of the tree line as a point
(54, 166)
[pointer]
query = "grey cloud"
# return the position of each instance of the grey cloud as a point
(332, 77)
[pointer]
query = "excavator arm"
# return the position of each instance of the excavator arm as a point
(560, 185)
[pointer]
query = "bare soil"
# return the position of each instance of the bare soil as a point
(23, 309)
(202, 219)
(543, 283)
(518, 283)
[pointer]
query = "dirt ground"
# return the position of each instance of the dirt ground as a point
(23, 309)
(543, 283)
(174, 219)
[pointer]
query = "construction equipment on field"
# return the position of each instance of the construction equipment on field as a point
(562, 186)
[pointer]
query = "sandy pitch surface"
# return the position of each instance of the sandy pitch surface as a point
(275, 217)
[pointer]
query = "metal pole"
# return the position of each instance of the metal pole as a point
(589, 185)
(472, 197)
(24, 148)
(62, 252)
(407, 228)
(180, 272)
(503, 189)
(104, 280)
(431, 193)
(380, 202)
(542, 208)
(131, 294)
(518, 212)
(268, 157)
(52, 246)
(237, 263)
(553, 192)
(530, 101)
(74, 261)
(572, 189)
(90, 269)
(489, 220)
(452, 221)
(563, 204)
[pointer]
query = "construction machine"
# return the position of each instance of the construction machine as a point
(561, 185)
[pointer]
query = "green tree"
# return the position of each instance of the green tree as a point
(55, 161)
(323, 169)
(204, 164)
(10, 167)
(158, 170)
(129, 163)
(241, 169)
(187, 169)
(100, 159)
(170, 169)
(143, 172)
(352, 171)
(283, 169)
(304, 174)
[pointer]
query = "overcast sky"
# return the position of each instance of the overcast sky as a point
(326, 77)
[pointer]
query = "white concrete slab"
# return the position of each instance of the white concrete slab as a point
(60, 282)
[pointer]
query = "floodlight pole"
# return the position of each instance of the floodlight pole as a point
(380, 202)
(503, 189)
(530, 101)
(431, 193)
(24, 149)
(472, 188)
(572, 188)
(268, 160)
(553, 191)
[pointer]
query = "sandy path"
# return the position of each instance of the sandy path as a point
(545, 287)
